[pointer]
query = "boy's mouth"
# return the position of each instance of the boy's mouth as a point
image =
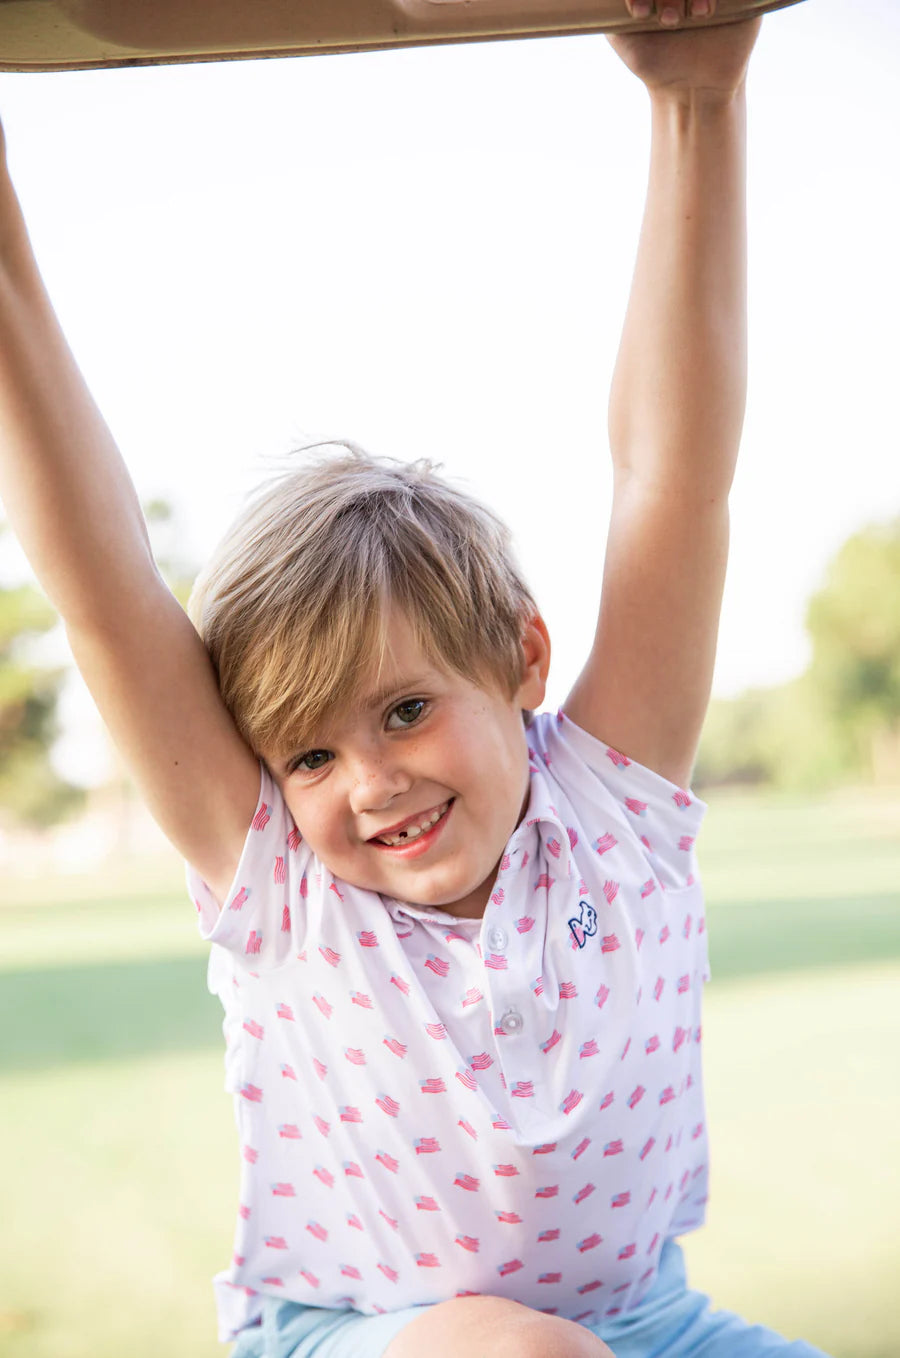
(414, 828)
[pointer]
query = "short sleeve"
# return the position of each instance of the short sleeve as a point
(262, 918)
(665, 818)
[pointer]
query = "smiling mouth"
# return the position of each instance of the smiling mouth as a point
(415, 828)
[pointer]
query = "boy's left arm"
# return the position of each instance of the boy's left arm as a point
(676, 407)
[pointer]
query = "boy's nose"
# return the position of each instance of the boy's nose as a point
(376, 783)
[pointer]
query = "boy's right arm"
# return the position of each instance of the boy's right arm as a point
(72, 504)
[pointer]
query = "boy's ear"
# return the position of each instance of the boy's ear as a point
(536, 663)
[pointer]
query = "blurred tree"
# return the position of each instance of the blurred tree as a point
(30, 789)
(854, 623)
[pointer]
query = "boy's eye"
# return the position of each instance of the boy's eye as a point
(313, 760)
(405, 713)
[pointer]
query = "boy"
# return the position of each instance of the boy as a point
(460, 949)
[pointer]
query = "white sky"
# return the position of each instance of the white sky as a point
(429, 251)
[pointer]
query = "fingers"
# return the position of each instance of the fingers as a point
(671, 13)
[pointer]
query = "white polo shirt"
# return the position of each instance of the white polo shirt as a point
(431, 1107)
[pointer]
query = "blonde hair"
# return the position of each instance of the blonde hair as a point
(294, 605)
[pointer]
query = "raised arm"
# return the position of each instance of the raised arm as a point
(676, 406)
(71, 502)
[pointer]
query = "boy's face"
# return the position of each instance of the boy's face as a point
(425, 750)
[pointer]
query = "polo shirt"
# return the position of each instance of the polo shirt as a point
(431, 1107)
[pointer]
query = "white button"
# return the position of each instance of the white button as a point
(497, 938)
(512, 1021)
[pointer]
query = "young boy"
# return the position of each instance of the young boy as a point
(460, 947)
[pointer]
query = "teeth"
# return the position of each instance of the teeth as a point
(413, 831)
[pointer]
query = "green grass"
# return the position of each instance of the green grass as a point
(120, 1160)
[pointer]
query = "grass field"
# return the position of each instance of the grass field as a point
(119, 1158)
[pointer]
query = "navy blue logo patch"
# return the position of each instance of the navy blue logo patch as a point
(585, 926)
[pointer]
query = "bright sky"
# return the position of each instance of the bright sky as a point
(429, 251)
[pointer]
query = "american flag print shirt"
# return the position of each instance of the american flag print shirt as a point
(431, 1107)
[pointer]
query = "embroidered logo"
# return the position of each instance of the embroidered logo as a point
(586, 925)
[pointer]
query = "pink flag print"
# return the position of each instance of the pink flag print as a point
(648, 888)
(555, 1036)
(468, 1242)
(508, 1218)
(320, 1068)
(524, 924)
(667, 1095)
(544, 880)
(625, 1049)
(571, 1101)
(354, 1221)
(426, 1145)
(481, 1062)
(550, 1191)
(294, 840)
(355, 1055)
(606, 1101)
(547, 1237)
(310, 1277)
(523, 1089)
(698, 1131)
(274, 1282)
(549, 1277)
(352, 1170)
(588, 1048)
(402, 986)
(505, 1171)
(584, 1193)
(388, 1161)
(678, 1038)
(647, 1148)
(638, 938)
(613, 1148)
(433, 1085)
(322, 1005)
(388, 1105)
(250, 1155)
(254, 942)
(337, 891)
(290, 1131)
(253, 1028)
(390, 1273)
(350, 1114)
(573, 836)
(367, 939)
(439, 965)
(610, 891)
(351, 1271)
(568, 990)
(538, 985)
(466, 1078)
(635, 807)
(427, 1261)
(467, 1127)
(635, 1096)
(658, 987)
(499, 1123)
(331, 957)
(686, 930)
(472, 996)
(286, 920)
(394, 1225)
(610, 944)
(279, 876)
(262, 817)
(681, 799)
(590, 1242)
(498, 896)
(665, 934)
(652, 1044)
(304, 887)
(466, 1181)
(602, 996)
(321, 1125)
(686, 842)
(621, 1199)
(554, 847)
(605, 843)
(283, 1190)
(627, 1252)
(395, 1046)
(275, 1242)
(496, 962)
(684, 983)
(426, 1204)
(361, 998)
(620, 760)
(252, 1093)
(436, 1030)
(511, 1266)
(504, 863)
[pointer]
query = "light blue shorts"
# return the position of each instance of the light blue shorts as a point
(671, 1322)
